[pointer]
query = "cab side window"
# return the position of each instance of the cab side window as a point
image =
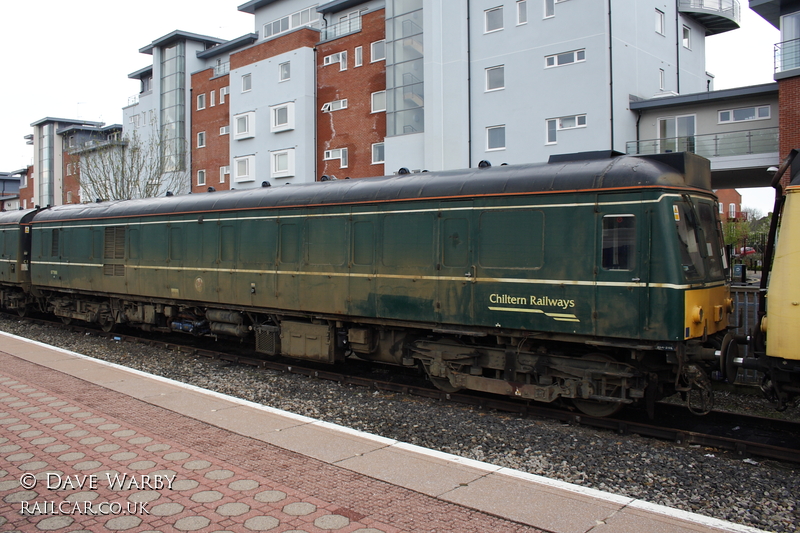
(619, 242)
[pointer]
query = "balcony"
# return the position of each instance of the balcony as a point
(718, 16)
(345, 27)
(787, 56)
(220, 69)
(712, 145)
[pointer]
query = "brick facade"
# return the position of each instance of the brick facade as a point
(216, 152)
(789, 119)
(70, 189)
(356, 127)
(304, 38)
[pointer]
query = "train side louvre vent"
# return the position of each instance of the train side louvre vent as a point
(267, 339)
(114, 248)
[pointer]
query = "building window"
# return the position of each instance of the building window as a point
(687, 37)
(566, 58)
(290, 22)
(222, 92)
(284, 71)
(282, 117)
(224, 130)
(69, 169)
(334, 106)
(377, 51)
(522, 12)
(378, 101)
(69, 197)
(244, 125)
(244, 168)
(201, 177)
(359, 59)
(213, 96)
(554, 125)
(282, 164)
(377, 153)
(659, 21)
(496, 138)
(550, 7)
(732, 210)
(338, 57)
(201, 139)
(661, 79)
(201, 101)
(494, 19)
(495, 78)
(338, 153)
(223, 173)
(247, 83)
(744, 113)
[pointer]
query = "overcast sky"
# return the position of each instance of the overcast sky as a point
(72, 59)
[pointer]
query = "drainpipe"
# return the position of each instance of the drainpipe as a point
(469, 88)
(678, 39)
(611, 74)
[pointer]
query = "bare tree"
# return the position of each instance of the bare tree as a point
(133, 167)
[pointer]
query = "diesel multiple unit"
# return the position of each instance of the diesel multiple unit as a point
(597, 279)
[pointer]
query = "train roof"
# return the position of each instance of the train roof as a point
(18, 216)
(675, 170)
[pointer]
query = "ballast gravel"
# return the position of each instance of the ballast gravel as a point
(757, 493)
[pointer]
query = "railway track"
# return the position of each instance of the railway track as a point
(741, 434)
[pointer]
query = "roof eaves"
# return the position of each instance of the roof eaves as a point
(252, 5)
(141, 72)
(66, 120)
(228, 46)
(709, 96)
(179, 35)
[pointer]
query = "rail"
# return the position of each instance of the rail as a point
(729, 8)
(340, 29)
(727, 144)
(787, 55)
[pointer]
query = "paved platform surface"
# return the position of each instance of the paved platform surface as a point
(90, 446)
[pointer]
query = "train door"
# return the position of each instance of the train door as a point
(324, 287)
(362, 265)
(455, 265)
(621, 271)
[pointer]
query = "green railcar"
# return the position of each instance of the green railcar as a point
(593, 279)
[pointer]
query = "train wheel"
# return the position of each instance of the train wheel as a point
(594, 407)
(444, 385)
(22, 311)
(107, 324)
(66, 320)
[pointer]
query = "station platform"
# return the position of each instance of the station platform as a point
(88, 445)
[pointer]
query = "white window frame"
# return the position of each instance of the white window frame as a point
(225, 130)
(337, 153)
(522, 12)
(212, 97)
(201, 101)
(285, 77)
(578, 56)
(290, 166)
(756, 110)
(497, 148)
(731, 210)
(336, 105)
(247, 83)
(686, 37)
(224, 171)
(250, 126)
(201, 178)
(550, 8)
(374, 57)
(338, 57)
(580, 122)
(372, 106)
(358, 59)
(501, 87)
(376, 161)
(244, 168)
(201, 139)
(659, 22)
(486, 20)
(290, 22)
(274, 112)
(223, 91)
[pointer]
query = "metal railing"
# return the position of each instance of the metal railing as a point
(787, 55)
(133, 100)
(745, 314)
(733, 143)
(728, 8)
(340, 29)
(222, 68)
